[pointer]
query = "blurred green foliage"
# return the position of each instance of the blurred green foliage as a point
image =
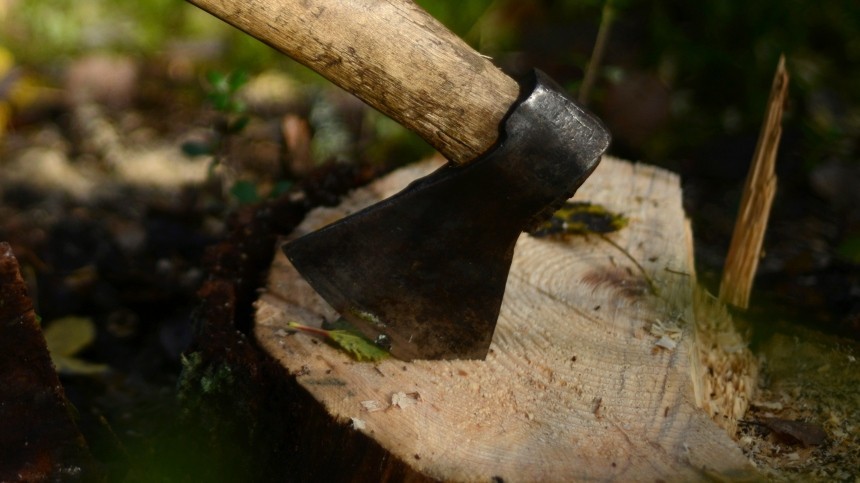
(719, 58)
(715, 58)
(461, 17)
(222, 94)
(44, 30)
(47, 31)
(849, 249)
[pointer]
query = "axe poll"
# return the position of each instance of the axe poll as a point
(423, 272)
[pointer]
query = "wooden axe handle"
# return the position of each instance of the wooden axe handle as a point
(392, 55)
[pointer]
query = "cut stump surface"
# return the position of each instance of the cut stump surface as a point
(589, 375)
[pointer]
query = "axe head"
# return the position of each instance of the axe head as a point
(423, 272)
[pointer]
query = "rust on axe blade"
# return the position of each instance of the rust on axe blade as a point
(423, 272)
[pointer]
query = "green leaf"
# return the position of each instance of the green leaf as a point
(356, 345)
(584, 218)
(219, 100)
(222, 89)
(216, 79)
(237, 79)
(281, 187)
(580, 218)
(78, 367)
(66, 337)
(196, 148)
(238, 125)
(69, 335)
(245, 192)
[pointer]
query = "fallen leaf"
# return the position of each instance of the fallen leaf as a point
(78, 367)
(794, 432)
(580, 218)
(356, 345)
(66, 337)
(69, 335)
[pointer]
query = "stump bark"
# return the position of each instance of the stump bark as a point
(600, 368)
(39, 437)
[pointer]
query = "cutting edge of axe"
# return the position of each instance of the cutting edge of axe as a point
(431, 284)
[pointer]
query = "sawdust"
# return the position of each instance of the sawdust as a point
(725, 370)
(811, 379)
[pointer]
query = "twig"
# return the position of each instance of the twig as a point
(607, 18)
(759, 190)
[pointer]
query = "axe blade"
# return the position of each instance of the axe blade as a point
(423, 272)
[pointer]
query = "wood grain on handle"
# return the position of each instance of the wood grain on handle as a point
(392, 55)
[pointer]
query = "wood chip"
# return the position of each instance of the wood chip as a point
(403, 400)
(372, 405)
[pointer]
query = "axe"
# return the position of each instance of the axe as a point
(423, 272)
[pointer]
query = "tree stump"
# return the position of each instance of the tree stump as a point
(39, 437)
(595, 371)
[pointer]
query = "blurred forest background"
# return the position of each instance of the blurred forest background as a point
(129, 131)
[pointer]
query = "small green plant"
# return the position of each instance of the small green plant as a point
(221, 94)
